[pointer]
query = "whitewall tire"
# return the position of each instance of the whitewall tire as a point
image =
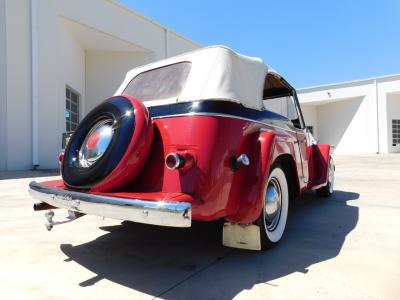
(272, 220)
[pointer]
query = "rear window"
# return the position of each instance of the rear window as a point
(161, 83)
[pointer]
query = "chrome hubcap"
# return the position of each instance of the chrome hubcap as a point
(273, 204)
(96, 143)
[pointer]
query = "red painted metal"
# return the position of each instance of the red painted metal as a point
(207, 180)
(318, 156)
(93, 140)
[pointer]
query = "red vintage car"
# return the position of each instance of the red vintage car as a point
(206, 135)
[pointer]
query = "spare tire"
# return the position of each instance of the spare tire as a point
(109, 147)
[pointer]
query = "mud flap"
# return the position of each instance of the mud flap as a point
(241, 236)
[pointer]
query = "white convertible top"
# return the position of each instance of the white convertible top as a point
(216, 73)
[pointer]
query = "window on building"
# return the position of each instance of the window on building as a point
(395, 132)
(71, 109)
(310, 129)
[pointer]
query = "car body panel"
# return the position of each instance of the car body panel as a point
(208, 181)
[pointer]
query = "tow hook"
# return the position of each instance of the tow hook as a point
(72, 215)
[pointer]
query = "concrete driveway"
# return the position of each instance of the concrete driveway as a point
(344, 247)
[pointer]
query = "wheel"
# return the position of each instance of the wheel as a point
(109, 147)
(327, 190)
(272, 220)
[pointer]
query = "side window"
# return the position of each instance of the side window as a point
(285, 107)
(161, 83)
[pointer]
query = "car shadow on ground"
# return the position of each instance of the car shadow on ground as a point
(191, 263)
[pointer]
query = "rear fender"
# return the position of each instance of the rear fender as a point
(247, 192)
(318, 162)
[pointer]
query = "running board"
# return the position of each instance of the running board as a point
(241, 236)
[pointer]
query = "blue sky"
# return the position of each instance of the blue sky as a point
(310, 42)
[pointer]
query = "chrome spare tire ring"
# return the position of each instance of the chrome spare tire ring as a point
(96, 143)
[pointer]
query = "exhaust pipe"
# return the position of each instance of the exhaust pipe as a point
(174, 161)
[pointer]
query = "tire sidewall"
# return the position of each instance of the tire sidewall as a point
(114, 108)
(331, 184)
(275, 235)
(327, 190)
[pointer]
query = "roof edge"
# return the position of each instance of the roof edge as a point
(175, 57)
(140, 15)
(349, 83)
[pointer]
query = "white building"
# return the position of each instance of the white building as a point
(57, 54)
(356, 117)
(59, 58)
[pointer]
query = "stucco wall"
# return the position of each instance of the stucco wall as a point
(310, 117)
(73, 65)
(179, 44)
(342, 124)
(18, 124)
(3, 88)
(65, 57)
(346, 116)
(112, 18)
(105, 71)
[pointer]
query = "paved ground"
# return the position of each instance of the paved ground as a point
(346, 247)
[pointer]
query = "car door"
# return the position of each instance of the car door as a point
(296, 116)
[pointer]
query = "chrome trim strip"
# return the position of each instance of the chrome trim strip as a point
(224, 116)
(163, 213)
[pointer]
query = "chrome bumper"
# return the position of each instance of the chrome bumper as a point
(174, 214)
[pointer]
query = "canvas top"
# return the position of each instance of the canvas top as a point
(210, 73)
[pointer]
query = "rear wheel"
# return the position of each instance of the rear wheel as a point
(327, 190)
(272, 220)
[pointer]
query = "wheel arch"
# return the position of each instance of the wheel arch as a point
(287, 163)
(268, 149)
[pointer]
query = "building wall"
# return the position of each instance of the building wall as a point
(355, 116)
(342, 125)
(384, 90)
(310, 117)
(89, 52)
(3, 87)
(346, 116)
(178, 44)
(60, 63)
(105, 71)
(18, 72)
(116, 20)
(393, 112)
